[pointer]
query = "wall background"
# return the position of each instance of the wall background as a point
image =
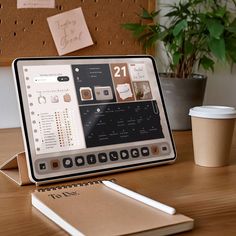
(9, 115)
(220, 90)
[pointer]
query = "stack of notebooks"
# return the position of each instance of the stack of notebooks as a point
(95, 209)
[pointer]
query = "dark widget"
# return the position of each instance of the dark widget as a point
(67, 162)
(95, 80)
(63, 78)
(120, 123)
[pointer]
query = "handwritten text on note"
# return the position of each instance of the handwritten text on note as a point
(69, 31)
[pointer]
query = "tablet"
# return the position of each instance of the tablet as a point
(83, 116)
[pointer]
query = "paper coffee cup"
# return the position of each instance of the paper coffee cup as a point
(212, 130)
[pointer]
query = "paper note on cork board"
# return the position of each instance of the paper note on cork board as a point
(35, 3)
(69, 31)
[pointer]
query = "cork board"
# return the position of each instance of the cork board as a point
(25, 32)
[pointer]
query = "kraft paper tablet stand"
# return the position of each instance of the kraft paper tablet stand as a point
(16, 169)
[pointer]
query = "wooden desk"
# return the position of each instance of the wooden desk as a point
(206, 194)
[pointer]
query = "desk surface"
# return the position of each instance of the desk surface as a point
(208, 195)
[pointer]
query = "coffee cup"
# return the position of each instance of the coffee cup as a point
(212, 130)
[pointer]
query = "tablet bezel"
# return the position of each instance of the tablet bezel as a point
(32, 176)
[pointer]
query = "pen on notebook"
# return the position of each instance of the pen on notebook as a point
(139, 197)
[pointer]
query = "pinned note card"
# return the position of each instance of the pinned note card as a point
(69, 31)
(35, 3)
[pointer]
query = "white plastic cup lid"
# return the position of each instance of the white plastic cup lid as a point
(213, 112)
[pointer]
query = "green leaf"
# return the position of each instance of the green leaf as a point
(179, 27)
(176, 58)
(137, 29)
(150, 41)
(155, 13)
(178, 40)
(144, 37)
(201, 16)
(172, 13)
(207, 63)
(146, 15)
(217, 47)
(149, 15)
(215, 28)
(163, 35)
(189, 47)
(131, 26)
(220, 12)
(231, 48)
(232, 26)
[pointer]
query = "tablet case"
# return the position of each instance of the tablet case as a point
(86, 97)
(16, 169)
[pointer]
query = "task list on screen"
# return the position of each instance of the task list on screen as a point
(53, 108)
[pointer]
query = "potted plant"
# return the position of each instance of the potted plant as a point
(196, 34)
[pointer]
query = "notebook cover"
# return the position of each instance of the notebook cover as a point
(98, 210)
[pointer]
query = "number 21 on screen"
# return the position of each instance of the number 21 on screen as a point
(120, 71)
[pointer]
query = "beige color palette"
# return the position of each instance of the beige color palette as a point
(25, 32)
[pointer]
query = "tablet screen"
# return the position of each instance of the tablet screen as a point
(87, 115)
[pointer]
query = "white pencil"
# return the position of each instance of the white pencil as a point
(139, 197)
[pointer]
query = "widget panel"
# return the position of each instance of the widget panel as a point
(122, 82)
(107, 124)
(80, 106)
(93, 83)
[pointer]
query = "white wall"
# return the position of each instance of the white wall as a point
(9, 115)
(221, 87)
(220, 90)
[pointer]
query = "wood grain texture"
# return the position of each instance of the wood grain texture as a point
(25, 32)
(206, 194)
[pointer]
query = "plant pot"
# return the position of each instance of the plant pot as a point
(179, 96)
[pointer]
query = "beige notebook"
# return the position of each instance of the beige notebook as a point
(94, 209)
